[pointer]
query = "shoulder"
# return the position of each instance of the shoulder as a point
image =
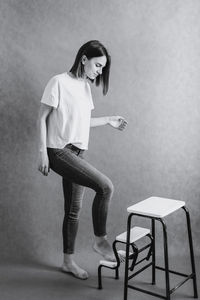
(59, 77)
(53, 81)
(57, 81)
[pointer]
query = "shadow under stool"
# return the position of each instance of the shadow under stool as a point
(156, 209)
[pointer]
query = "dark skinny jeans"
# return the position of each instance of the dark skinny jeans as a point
(77, 174)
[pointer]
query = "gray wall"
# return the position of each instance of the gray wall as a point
(154, 84)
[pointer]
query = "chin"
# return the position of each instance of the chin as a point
(92, 77)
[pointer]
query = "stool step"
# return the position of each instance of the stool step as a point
(113, 264)
(106, 263)
(135, 234)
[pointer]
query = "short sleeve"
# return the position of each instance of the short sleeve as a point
(51, 93)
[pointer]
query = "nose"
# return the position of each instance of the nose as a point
(99, 71)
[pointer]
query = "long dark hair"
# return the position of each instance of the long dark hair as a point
(93, 49)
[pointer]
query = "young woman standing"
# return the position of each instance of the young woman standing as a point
(64, 124)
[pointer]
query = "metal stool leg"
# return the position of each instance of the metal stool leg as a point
(166, 259)
(117, 259)
(191, 251)
(117, 273)
(135, 256)
(127, 257)
(99, 278)
(153, 252)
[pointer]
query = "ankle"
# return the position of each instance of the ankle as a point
(68, 259)
(99, 239)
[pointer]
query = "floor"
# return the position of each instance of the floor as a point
(31, 281)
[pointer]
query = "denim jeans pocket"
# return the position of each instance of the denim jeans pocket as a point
(61, 153)
(53, 152)
(65, 151)
(57, 151)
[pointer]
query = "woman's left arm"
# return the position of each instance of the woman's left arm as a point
(114, 121)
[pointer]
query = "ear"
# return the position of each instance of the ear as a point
(84, 59)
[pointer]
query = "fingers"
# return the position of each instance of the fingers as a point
(123, 124)
(44, 170)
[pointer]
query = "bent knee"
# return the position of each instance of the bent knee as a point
(108, 187)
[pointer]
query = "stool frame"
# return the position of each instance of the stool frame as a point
(133, 256)
(166, 260)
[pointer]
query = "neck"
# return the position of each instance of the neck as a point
(84, 78)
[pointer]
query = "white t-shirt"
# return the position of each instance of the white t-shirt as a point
(69, 121)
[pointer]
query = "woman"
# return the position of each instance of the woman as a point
(64, 123)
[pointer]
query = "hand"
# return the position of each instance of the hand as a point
(43, 164)
(117, 122)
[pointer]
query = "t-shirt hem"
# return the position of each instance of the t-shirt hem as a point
(44, 101)
(62, 146)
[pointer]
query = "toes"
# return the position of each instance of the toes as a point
(75, 271)
(85, 275)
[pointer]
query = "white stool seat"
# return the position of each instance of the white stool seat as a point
(156, 207)
(135, 234)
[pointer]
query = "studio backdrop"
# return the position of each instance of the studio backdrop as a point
(154, 84)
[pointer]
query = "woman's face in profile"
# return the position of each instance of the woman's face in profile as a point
(93, 66)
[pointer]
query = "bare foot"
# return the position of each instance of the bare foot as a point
(103, 247)
(75, 270)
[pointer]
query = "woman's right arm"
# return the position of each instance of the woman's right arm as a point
(43, 161)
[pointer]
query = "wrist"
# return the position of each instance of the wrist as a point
(107, 120)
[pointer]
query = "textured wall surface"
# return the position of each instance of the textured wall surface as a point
(154, 84)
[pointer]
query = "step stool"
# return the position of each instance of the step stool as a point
(136, 233)
(156, 208)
